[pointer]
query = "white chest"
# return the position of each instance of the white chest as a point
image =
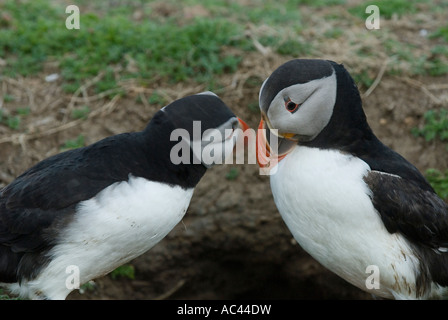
(119, 224)
(318, 191)
(325, 203)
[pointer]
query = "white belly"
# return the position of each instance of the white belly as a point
(325, 203)
(119, 224)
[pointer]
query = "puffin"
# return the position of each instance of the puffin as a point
(79, 214)
(352, 203)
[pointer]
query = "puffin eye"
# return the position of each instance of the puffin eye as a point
(291, 106)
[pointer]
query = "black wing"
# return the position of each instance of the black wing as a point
(47, 193)
(419, 214)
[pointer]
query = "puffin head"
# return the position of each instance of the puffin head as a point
(207, 129)
(297, 103)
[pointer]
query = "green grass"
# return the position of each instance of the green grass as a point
(35, 33)
(12, 121)
(81, 112)
(433, 63)
(124, 271)
(8, 98)
(388, 8)
(156, 98)
(333, 33)
(171, 48)
(156, 47)
(79, 142)
(435, 125)
(4, 296)
(322, 3)
(232, 174)
(439, 181)
(435, 128)
(441, 33)
(86, 287)
(286, 46)
(363, 79)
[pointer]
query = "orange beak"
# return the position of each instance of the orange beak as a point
(265, 156)
(243, 124)
(262, 146)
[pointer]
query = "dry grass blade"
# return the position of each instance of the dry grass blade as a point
(419, 85)
(170, 292)
(20, 138)
(377, 79)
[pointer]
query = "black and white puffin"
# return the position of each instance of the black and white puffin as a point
(97, 207)
(351, 202)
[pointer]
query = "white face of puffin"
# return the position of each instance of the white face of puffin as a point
(210, 143)
(218, 143)
(298, 113)
(303, 109)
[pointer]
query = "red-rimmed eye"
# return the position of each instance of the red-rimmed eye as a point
(291, 106)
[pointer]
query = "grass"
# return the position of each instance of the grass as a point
(412, 58)
(154, 48)
(232, 174)
(442, 33)
(4, 296)
(78, 142)
(157, 99)
(435, 126)
(193, 52)
(13, 121)
(175, 49)
(125, 271)
(81, 112)
(389, 8)
(439, 181)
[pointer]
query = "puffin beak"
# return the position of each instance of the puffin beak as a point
(266, 157)
(262, 146)
(243, 124)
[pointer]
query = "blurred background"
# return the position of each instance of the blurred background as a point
(66, 88)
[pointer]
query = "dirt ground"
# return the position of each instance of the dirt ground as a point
(232, 243)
